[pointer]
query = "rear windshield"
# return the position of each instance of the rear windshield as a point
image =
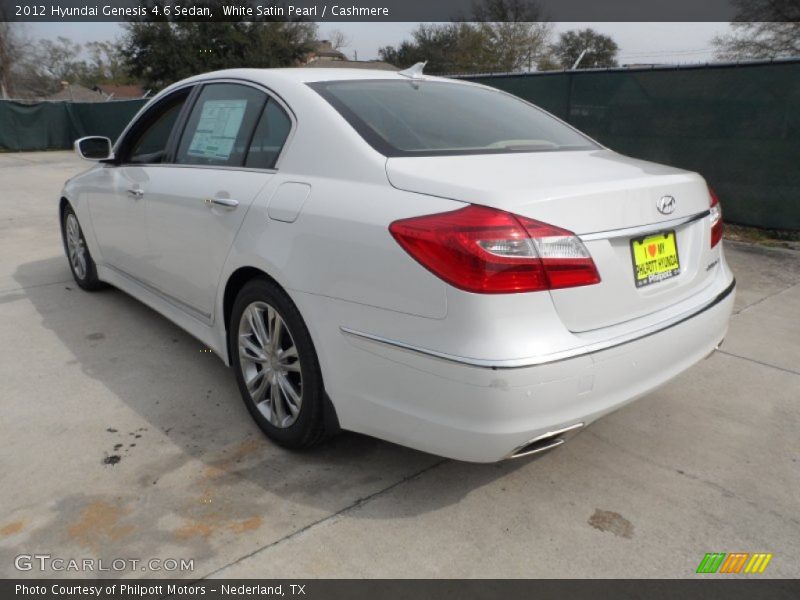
(429, 118)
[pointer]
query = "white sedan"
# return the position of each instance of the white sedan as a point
(431, 262)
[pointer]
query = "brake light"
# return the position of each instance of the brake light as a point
(716, 218)
(489, 251)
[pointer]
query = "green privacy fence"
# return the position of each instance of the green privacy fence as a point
(737, 125)
(54, 125)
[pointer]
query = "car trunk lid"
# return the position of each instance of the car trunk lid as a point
(605, 198)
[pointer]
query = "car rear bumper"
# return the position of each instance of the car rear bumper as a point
(484, 414)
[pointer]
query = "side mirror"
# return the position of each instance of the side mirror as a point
(94, 148)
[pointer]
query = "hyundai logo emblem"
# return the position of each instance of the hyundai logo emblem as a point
(666, 205)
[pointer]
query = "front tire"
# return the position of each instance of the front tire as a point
(276, 365)
(83, 268)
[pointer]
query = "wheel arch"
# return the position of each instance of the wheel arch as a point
(63, 203)
(235, 282)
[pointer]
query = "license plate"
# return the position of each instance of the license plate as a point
(655, 258)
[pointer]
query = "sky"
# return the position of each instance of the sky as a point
(673, 43)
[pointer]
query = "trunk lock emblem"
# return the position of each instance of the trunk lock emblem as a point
(666, 205)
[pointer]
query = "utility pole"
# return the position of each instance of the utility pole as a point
(580, 58)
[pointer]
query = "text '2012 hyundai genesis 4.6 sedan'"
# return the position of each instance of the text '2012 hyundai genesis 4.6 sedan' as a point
(432, 262)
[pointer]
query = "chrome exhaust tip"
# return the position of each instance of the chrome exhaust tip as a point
(546, 441)
(717, 347)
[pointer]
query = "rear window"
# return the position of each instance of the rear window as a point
(429, 118)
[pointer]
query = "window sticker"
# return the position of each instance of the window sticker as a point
(217, 129)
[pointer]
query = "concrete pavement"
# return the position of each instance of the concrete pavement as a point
(121, 438)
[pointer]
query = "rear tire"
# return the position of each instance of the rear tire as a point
(276, 366)
(83, 268)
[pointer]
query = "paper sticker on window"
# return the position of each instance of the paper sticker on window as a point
(217, 129)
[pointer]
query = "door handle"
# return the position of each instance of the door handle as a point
(136, 193)
(226, 203)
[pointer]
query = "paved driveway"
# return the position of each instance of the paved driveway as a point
(121, 438)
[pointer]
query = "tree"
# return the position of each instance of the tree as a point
(159, 52)
(447, 48)
(339, 39)
(11, 47)
(29, 69)
(547, 63)
(507, 35)
(516, 32)
(59, 59)
(34, 69)
(105, 65)
(47, 64)
(601, 50)
(22, 73)
(761, 29)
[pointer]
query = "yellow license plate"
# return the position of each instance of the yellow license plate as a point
(655, 258)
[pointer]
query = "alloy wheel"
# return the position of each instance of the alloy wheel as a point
(270, 364)
(76, 247)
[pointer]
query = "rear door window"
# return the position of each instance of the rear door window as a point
(270, 135)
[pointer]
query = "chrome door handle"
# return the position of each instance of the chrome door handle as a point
(226, 203)
(136, 193)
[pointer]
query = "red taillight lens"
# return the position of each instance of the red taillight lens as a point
(716, 218)
(489, 251)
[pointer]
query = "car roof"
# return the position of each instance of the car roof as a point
(299, 75)
(307, 75)
(289, 79)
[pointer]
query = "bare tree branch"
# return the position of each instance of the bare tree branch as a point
(761, 29)
(339, 39)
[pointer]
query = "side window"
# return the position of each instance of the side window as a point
(148, 141)
(271, 133)
(220, 125)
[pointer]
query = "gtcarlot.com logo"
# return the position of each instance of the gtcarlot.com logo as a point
(734, 563)
(47, 562)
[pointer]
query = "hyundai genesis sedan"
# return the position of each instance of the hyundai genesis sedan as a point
(428, 261)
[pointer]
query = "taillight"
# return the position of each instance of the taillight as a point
(490, 251)
(715, 214)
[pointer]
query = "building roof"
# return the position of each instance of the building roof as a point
(325, 50)
(325, 56)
